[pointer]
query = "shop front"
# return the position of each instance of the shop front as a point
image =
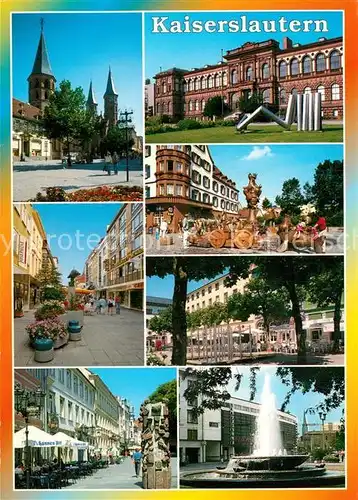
(21, 294)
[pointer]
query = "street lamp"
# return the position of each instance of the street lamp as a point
(322, 415)
(29, 404)
(126, 120)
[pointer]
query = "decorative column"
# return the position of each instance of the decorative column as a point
(156, 468)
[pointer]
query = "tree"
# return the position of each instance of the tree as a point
(48, 276)
(327, 191)
(291, 197)
(292, 273)
(162, 322)
(327, 288)
(116, 141)
(259, 298)
(210, 384)
(167, 393)
(215, 106)
(66, 117)
(266, 203)
(250, 104)
(185, 269)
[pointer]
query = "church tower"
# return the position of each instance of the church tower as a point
(41, 80)
(91, 103)
(110, 102)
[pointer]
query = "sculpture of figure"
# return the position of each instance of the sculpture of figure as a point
(252, 192)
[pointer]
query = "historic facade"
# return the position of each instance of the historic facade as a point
(261, 67)
(28, 138)
(183, 179)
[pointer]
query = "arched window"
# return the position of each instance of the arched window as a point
(234, 76)
(294, 67)
(320, 90)
(249, 73)
(158, 108)
(307, 90)
(37, 83)
(266, 95)
(217, 80)
(336, 94)
(47, 84)
(282, 69)
(227, 205)
(222, 203)
(211, 81)
(164, 87)
(222, 190)
(334, 60)
(225, 79)
(307, 64)
(190, 105)
(203, 104)
(185, 86)
(215, 186)
(196, 83)
(202, 83)
(265, 71)
(191, 85)
(215, 201)
(196, 105)
(294, 91)
(283, 96)
(320, 63)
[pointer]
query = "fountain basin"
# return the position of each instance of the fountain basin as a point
(269, 463)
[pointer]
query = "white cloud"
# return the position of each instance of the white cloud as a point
(258, 152)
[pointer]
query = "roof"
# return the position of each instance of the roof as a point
(21, 109)
(110, 90)
(91, 98)
(42, 63)
(158, 300)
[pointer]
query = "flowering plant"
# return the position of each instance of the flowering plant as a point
(51, 328)
(49, 309)
(74, 303)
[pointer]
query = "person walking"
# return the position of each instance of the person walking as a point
(110, 307)
(186, 228)
(115, 160)
(118, 304)
(103, 304)
(163, 228)
(137, 459)
(107, 164)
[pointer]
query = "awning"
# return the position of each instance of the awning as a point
(37, 438)
(68, 441)
(19, 270)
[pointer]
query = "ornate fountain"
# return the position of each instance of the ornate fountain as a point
(252, 194)
(269, 466)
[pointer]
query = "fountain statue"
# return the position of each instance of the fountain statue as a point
(269, 466)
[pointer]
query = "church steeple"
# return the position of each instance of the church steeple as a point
(41, 80)
(110, 102)
(91, 100)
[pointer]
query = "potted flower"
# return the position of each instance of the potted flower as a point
(18, 313)
(46, 335)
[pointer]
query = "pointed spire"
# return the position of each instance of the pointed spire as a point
(91, 98)
(42, 63)
(110, 90)
(304, 424)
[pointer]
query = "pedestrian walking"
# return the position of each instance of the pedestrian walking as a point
(137, 459)
(115, 160)
(163, 228)
(117, 301)
(110, 307)
(107, 164)
(103, 303)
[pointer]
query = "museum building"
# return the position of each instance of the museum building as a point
(262, 67)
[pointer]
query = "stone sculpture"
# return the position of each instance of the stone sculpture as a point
(156, 468)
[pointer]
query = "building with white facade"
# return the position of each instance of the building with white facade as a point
(181, 179)
(126, 417)
(227, 431)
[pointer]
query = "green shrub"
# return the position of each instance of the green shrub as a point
(331, 459)
(225, 123)
(336, 220)
(52, 293)
(188, 124)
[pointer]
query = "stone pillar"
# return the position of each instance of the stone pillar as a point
(156, 467)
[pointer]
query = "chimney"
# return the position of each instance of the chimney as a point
(287, 43)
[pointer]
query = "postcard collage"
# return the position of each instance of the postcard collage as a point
(178, 250)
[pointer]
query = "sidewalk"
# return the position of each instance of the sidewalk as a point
(106, 341)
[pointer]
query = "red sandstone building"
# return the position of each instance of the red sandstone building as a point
(261, 67)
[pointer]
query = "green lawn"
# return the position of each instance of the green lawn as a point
(255, 133)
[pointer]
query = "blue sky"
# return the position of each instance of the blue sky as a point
(163, 287)
(299, 402)
(73, 229)
(198, 49)
(135, 384)
(81, 47)
(273, 164)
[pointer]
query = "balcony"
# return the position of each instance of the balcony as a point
(128, 278)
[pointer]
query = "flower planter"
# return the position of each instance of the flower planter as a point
(43, 350)
(60, 341)
(19, 314)
(75, 316)
(74, 330)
